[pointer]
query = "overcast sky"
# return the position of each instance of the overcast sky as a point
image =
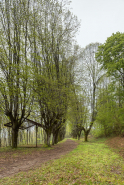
(99, 19)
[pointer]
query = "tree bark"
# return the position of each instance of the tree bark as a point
(45, 137)
(0, 135)
(78, 136)
(86, 136)
(14, 137)
(36, 134)
(48, 137)
(9, 137)
(53, 140)
(56, 138)
(27, 136)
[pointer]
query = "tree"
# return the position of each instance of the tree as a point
(77, 114)
(111, 56)
(54, 62)
(36, 61)
(15, 78)
(0, 128)
(90, 74)
(109, 113)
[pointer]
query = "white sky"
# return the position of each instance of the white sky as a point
(99, 19)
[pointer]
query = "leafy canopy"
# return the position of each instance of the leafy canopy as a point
(111, 55)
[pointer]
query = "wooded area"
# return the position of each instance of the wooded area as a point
(45, 77)
(55, 96)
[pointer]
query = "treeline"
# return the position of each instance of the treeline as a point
(37, 58)
(110, 104)
(100, 105)
(27, 137)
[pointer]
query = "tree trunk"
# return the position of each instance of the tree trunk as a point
(29, 138)
(78, 136)
(20, 137)
(48, 138)
(14, 137)
(36, 134)
(9, 137)
(86, 136)
(45, 137)
(56, 137)
(0, 135)
(53, 140)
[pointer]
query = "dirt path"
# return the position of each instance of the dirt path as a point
(10, 166)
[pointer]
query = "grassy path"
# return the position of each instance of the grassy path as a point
(90, 163)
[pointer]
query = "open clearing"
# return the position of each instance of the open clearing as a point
(94, 162)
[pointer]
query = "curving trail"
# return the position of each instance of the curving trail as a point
(10, 166)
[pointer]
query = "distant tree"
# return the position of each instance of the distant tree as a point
(109, 113)
(62, 133)
(77, 115)
(111, 57)
(91, 74)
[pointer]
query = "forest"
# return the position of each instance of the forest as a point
(52, 91)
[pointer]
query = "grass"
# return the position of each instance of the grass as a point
(21, 150)
(27, 148)
(90, 163)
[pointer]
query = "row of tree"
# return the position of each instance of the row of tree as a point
(28, 137)
(37, 56)
(102, 79)
(110, 116)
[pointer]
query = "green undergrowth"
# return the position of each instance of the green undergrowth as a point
(90, 163)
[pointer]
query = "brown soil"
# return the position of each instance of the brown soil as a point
(117, 143)
(12, 162)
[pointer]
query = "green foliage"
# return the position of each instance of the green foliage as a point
(15, 62)
(110, 117)
(111, 55)
(37, 59)
(111, 101)
(77, 114)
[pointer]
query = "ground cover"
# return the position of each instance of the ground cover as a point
(7, 153)
(117, 143)
(13, 161)
(90, 163)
